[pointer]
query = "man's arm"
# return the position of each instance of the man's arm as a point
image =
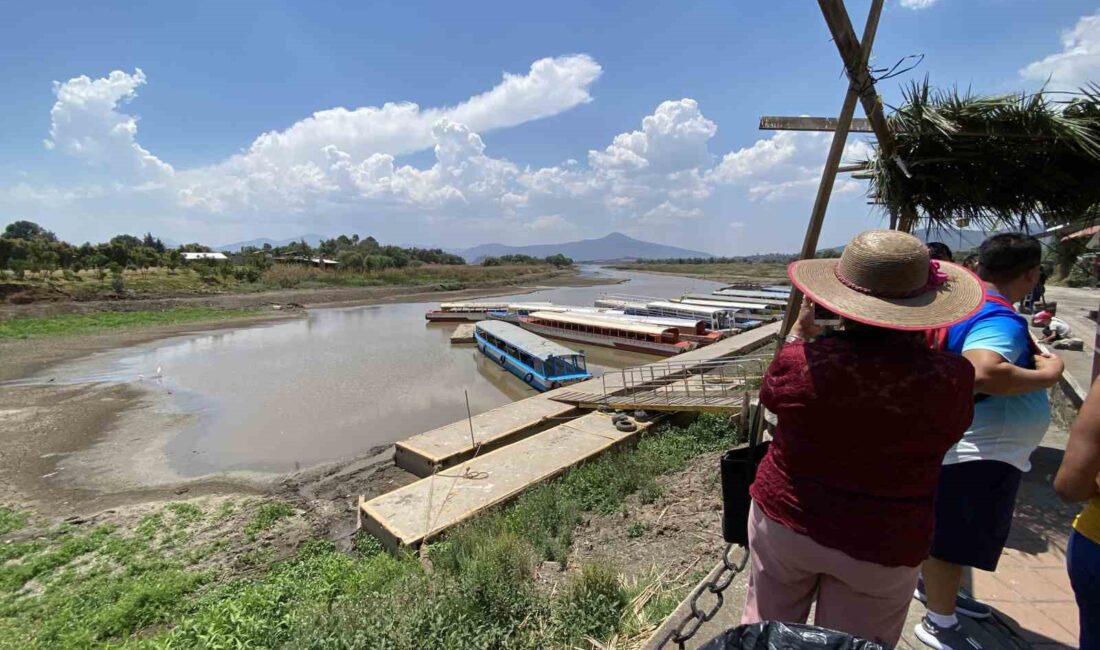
(995, 375)
(1076, 478)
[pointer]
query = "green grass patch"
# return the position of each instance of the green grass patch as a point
(138, 589)
(267, 515)
(11, 520)
(77, 324)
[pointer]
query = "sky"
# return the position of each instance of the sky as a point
(455, 124)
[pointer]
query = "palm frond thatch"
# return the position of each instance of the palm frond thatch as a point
(995, 160)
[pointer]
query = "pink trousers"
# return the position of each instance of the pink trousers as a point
(788, 570)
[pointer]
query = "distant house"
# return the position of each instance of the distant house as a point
(220, 257)
(319, 262)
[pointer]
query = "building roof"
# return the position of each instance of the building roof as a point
(595, 321)
(529, 342)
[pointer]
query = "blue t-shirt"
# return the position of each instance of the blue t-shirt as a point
(1005, 427)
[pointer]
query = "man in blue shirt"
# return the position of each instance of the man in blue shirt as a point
(981, 474)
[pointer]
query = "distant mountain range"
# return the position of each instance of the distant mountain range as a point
(312, 239)
(615, 246)
(957, 240)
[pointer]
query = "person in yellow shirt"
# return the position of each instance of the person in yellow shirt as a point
(1077, 481)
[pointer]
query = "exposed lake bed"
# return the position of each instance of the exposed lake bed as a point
(249, 407)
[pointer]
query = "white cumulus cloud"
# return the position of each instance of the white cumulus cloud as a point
(917, 4)
(1077, 64)
(343, 166)
(85, 122)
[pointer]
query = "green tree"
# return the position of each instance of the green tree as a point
(350, 260)
(27, 230)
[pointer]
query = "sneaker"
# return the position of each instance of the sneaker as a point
(964, 604)
(945, 638)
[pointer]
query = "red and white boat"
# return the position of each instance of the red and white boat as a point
(608, 332)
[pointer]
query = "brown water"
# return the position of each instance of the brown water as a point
(333, 385)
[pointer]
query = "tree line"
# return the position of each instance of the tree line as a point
(28, 247)
(558, 260)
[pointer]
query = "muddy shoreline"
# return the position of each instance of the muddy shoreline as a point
(50, 430)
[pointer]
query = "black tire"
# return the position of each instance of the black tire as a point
(620, 417)
(502, 360)
(555, 384)
(529, 378)
(626, 426)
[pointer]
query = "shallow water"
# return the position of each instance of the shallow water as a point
(332, 385)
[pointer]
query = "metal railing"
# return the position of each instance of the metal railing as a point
(716, 382)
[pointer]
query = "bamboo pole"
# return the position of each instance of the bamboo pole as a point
(828, 176)
(832, 162)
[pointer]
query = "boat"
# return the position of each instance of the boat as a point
(463, 311)
(608, 332)
(540, 363)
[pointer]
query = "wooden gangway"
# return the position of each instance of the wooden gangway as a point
(713, 386)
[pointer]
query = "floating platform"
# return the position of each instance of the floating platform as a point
(464, 333)
(423, 510)
(448, 445)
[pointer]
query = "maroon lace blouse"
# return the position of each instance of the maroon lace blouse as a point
(864, 423)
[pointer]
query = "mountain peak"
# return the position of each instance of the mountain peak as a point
(614, 246)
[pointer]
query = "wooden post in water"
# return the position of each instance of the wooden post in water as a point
(470, 420)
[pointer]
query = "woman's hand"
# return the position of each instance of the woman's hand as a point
(805, 327)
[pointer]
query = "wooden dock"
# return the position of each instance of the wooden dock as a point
(421, 511)
(449, 445)
(446, 446)
(464, 333)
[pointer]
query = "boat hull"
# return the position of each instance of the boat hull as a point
(455, 317)
(646, 347)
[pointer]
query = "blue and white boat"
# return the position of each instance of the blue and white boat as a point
(540, 363)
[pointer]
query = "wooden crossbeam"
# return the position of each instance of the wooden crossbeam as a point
(786, 123)
(863, 125)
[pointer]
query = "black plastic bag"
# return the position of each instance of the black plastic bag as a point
(773, 635)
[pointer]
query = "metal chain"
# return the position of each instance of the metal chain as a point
(715, 586)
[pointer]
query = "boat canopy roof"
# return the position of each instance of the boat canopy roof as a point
(777, 300)
(609, 323)
(726, 304)
(529, 342)
(473, 306)
(708, 310)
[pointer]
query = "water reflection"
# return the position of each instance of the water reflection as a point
(333, 384)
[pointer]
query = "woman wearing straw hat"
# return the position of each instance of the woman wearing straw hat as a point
(843, 500)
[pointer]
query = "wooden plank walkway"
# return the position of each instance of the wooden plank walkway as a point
(449, 445)
(423, 510)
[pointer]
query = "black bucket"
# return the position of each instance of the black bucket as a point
(738, 473)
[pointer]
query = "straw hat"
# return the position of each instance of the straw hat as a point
(886, 278)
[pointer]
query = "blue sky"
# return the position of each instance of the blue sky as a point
(193, 120)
